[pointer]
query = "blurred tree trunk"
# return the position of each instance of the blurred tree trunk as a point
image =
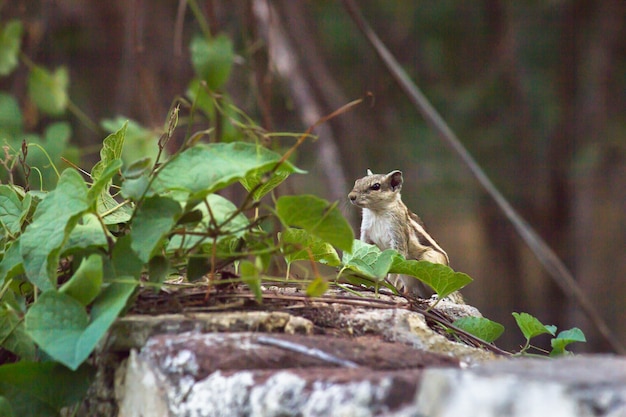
(599, 228)
(289, 65)
(551, 196)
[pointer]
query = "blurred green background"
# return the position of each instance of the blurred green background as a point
(536, 90)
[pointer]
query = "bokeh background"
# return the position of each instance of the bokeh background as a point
(536, 90)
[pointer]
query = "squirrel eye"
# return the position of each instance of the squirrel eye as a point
(375, 187)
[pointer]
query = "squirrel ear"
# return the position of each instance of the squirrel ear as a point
(369, 172)
(395, 180)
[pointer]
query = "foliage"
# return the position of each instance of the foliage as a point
(530, 327)
(367, 262)
(48, 92)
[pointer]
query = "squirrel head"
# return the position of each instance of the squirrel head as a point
(377, 192)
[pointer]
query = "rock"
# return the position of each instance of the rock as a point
(240, 374)
(582, 386)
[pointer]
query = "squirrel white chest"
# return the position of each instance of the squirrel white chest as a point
(379, 229)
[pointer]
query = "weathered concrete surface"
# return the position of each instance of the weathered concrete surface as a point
(133, 331)
(581, 386)
(180, 379)
(236, 375)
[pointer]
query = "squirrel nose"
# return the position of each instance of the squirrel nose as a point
(352, 196)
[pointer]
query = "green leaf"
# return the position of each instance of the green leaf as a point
(441, 278)
(56, 145)
(85, 284)
(212, 59)
(42, 389)
(193, 218)
(10, 42)
(531, 327)
(61, 327)
(139, 142)
(104, 180)
(158, 269)
(5, 408)
(11, 211)
(318, 217)
(153, 221)
(197, 94)
(114, 212)
(125, 260)
(368, 260)
(297, 244)
(11, 119)
(221, 209)
(54, 219)
(49, 90)
(112, 147)
(250, 276)
(565, 338)
(11, 265)
(138, 168)
(197, 267)
(480, 327)
(87, 234)
(136, 179)
(13, 336)
(135, 188)
(551, 329)
(105, 204)
(56, 323)
(317, 287)
(264, 183)
(204, 169)
(231, 118)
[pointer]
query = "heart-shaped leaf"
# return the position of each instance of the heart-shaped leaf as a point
(49, 90)
(11, 264)
(318, 217)
(531, 326)
(250, 275)
(480, 327)
(13, 335)
(564, 338)
(212, 59)
(85, 284)
(368, 260)
(10, 42)
(298, 244)
(230, 228)
(153, 221)
(441, 278)
(42, 388)
(263, 184)
(11, 210)
(11, 118)
(204, 169)
(158, 269)
(61, 327)
(317, 287)
(54, 219)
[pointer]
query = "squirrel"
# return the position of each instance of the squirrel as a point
(389, 224)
